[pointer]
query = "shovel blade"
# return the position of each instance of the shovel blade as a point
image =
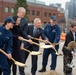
(46, 46)
(35, 53)
(20, 64)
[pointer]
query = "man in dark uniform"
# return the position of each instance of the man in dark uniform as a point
(52, 32)
(67, 59)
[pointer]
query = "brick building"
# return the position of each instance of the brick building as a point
(35, 10)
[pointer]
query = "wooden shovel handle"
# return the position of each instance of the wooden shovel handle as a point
(6, 54)
(3, 52)
(55, 50)
(42, 40)
(28, 41)
(25, 49)
(37, 39)
(53, 43)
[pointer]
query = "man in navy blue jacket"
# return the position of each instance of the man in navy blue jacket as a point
(52, 32)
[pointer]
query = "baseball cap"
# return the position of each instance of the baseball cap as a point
(53, 18)
(9, 19)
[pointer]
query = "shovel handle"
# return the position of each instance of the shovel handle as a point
(25, 49)
(28, 41)
(50, 43)
(53, 43)
(36, 44)
(13, 60)
(57, 52)
(3, 52)
(6, 54)
(37, 39)
(43, 40)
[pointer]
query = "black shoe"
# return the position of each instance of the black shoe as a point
(68, 74)
(33, 74)
(42, 70)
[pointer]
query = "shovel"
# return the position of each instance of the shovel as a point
(59, 54)
(47, 45)
(42, 40)
(43, 46)
(16, 62)
(55, 50)
(32, 53)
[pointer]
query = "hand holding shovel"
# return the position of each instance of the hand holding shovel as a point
(47, 46)
(43, 46)
(16, 62)
(42, 40)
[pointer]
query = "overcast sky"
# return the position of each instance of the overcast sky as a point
(56, 1)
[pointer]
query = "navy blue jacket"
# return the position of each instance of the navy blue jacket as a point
(38, 34)
(6, 39)
(52, 33)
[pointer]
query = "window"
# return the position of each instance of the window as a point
(6, 9)
(12, 10)
(44, 22)
(33, 12)
(45, 14)
(37, 13)
(54, 14)
(49, 14)
(28, 12)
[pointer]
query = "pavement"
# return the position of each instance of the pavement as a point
(59, 67)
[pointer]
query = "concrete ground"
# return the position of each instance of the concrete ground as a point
(59, 68)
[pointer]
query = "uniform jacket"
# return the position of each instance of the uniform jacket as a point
(6, 39)
(52, 33)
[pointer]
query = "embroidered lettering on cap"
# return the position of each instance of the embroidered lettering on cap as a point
(53, 30)
(7, 37)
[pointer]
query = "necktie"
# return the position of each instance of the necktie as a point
(75, 36)
(34, 31)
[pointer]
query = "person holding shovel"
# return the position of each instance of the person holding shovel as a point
(52, 32)
(6, 40)
(34, 31)
(17, 36)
